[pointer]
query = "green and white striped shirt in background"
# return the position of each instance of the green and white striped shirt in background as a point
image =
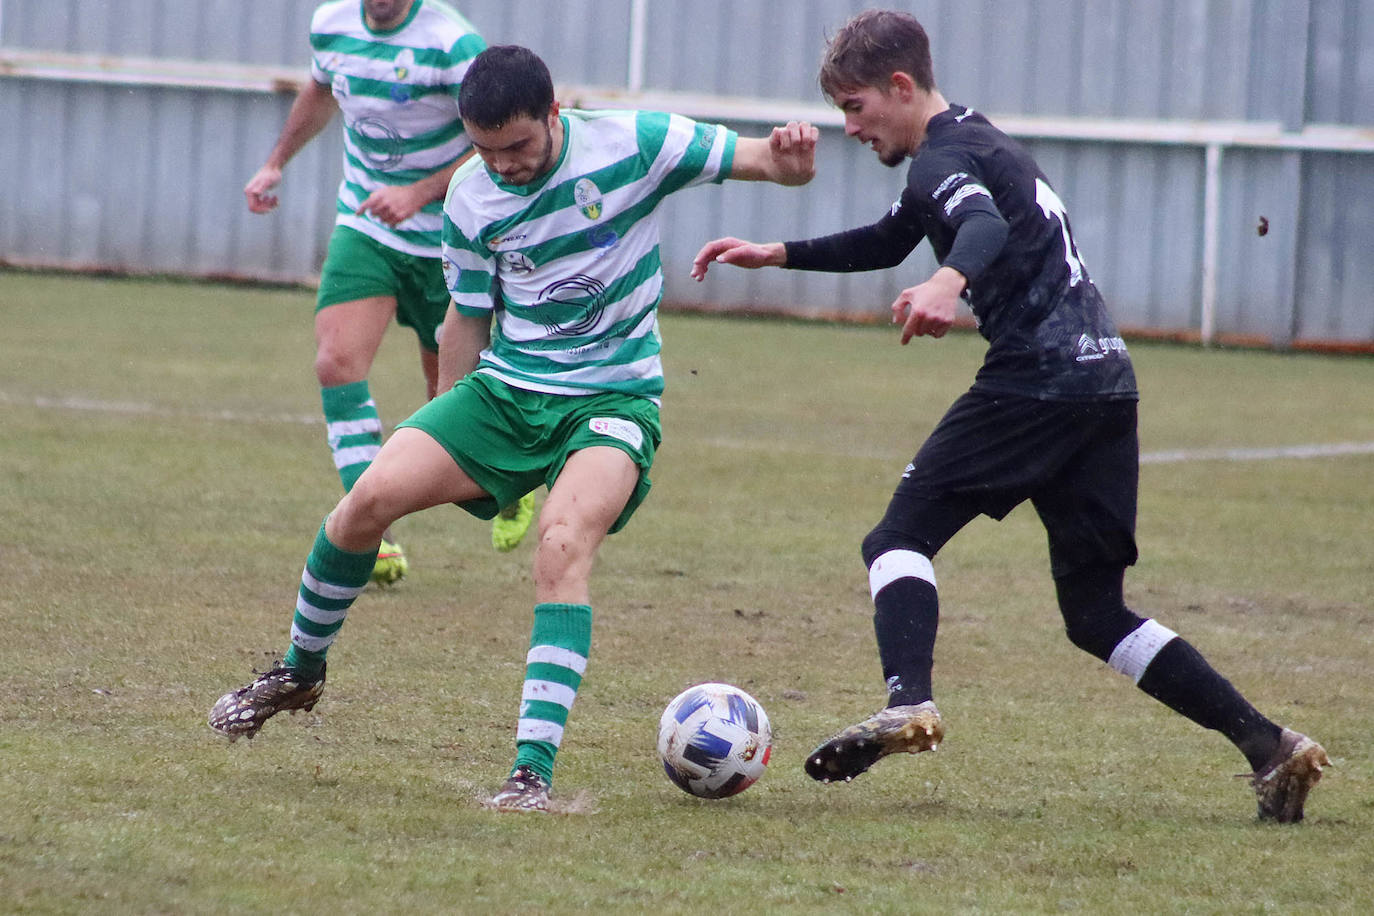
(398, 92)
(572, 259)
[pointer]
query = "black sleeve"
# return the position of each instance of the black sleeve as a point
(885, 243)
(977, 230)
(978, 241)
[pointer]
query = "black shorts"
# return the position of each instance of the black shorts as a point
(1076, 461)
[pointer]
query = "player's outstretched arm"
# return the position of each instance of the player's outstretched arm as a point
(738, 252)
(786, 156)
(312, 110)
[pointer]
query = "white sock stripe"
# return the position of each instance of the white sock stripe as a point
(899, 564)
(316, 615)
(553, 655)
(359, 454)
(328, 589)
(340, 428)
(539, 730)
(310, 643)
(1134, 653)
(549, 692)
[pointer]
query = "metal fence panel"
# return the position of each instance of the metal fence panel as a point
(149, 177)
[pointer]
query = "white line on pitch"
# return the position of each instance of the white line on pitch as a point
(1169, 456)
(139, 408)
(1329, 450)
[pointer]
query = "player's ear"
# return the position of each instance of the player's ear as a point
(553, 112)
(902, 85)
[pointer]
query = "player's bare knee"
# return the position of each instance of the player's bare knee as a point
(337, 366)
(559, 553)
(363, 514)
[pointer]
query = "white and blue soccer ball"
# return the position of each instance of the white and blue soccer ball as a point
(714, 740)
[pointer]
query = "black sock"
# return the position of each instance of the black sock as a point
(905, 617)
(1180, 678)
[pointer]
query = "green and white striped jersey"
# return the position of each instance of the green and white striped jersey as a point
(398, 92)
(570, 262)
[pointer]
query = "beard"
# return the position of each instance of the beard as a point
(545, 162)
(892, 158)
(384, 12)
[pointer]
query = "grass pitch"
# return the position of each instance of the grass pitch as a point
(162, 475)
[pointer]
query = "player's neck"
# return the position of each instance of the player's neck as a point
(927, 106)
(559, 137)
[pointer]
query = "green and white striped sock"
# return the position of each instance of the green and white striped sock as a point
(353, 427)
(559, 644)
(332, 579)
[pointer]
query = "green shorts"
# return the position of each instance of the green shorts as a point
(360, 267)
(509, 440)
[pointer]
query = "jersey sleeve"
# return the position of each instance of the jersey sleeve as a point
(967, 206)
(680, 152)
(318, 72)
(469, 271)
(885, 243)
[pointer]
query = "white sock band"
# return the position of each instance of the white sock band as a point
(899, 564)
(1134, 653)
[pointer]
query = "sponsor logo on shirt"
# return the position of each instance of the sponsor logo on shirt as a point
(948, 183)
(1091, 349)
(963, 194)
(496, 243)
(385, 148)
(602, 237)
(617, 428)
(515, 262)
(707, 137)
(571, 306)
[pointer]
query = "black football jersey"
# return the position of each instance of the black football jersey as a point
(1047, 327)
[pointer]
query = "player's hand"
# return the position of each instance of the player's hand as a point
(739, 253)
(259, 188)
(928, 309)
(793, 148)
(393, 204)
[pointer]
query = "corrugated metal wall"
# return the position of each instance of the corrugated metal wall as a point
(150, 177)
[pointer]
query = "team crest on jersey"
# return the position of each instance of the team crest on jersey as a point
(339, 86)
(404, 61)
(588, 198)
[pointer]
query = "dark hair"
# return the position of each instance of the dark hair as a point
(872, 46)
(503, 83)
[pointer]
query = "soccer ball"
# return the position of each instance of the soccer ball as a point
(714, 740)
